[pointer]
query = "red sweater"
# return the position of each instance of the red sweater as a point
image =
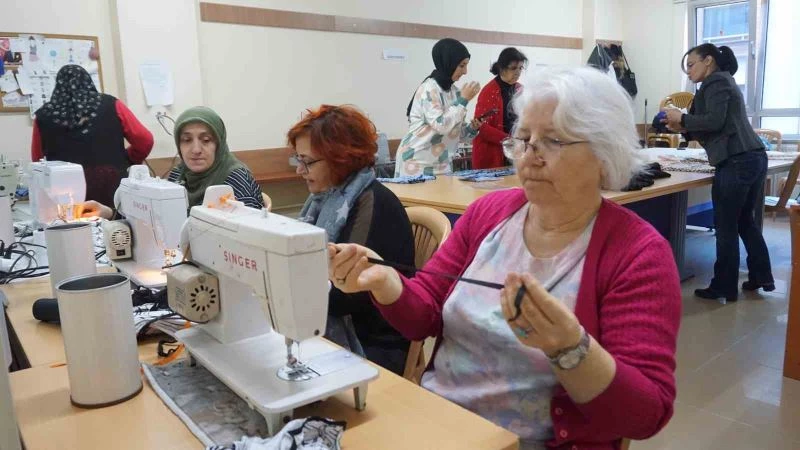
(138, 136)
(486, 149)
(629, 300)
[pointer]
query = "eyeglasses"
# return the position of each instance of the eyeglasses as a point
(518, 68)
(303, 164)
(515, 148)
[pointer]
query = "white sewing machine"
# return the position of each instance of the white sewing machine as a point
(55, 188)
(271, 293)
(8, 185)
(149, 238)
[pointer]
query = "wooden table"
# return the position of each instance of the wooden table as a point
(663, 204)
(451, 195)
(399, 414)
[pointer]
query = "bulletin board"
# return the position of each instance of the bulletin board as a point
(31, 62)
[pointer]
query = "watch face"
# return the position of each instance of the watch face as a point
(570, 359)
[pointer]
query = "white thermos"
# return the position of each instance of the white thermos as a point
(99, 339)
(70, 251)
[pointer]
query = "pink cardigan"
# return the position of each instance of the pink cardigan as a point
(629, 300)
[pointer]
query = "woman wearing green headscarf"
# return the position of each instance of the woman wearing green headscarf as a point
(205, 161)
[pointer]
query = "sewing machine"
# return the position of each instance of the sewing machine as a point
(55, 187)
(149, 238)
(8, 185)
(261, 290)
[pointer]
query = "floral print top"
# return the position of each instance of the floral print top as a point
(436, 125)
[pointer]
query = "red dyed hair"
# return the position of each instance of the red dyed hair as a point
(342, 135)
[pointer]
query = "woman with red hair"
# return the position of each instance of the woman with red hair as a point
(335, 150)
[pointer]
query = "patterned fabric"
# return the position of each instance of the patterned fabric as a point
(314, 433)
(408, 180)
(480, 364)
(696, 167)
(74, 102)
(245, 188)
(330, 209)
(483, 174)
(436, 125)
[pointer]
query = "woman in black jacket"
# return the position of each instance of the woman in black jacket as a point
(335, 153)
(718, 120)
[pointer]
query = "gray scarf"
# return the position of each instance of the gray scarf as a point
(330, 209)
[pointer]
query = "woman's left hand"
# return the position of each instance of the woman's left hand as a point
(673, 119)
(544, 323)
(476, 123)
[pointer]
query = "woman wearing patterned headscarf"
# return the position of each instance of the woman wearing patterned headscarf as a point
(436, 114)
(83, 126)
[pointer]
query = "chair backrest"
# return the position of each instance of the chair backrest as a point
(788, 187)
(431, 228)
(267, 201)
(678, 100)
(772, 136)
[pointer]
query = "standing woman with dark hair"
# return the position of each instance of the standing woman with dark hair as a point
(718, 120)
(436, 114)
(487, 151)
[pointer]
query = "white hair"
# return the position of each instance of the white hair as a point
(590, 106)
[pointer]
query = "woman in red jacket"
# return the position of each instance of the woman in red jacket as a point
(82, 126)
(496, 95)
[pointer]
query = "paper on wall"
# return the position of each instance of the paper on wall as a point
(15, 100)
(157, 83)
(8, 83)
(24, 81)
(19, 45)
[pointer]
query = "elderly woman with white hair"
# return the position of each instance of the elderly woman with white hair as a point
(578, 348)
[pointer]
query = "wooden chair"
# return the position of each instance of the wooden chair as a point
(670, 139)
(431, 228)
(791, 358)
(678, 100)
(779, 204)
(267, 201)
(772, 136)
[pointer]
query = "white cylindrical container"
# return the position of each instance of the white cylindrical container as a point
(99, 339)
(70, 251)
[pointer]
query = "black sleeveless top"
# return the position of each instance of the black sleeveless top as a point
(101, 152)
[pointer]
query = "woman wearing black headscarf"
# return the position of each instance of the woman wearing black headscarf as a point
(83, 126)
(436, 114)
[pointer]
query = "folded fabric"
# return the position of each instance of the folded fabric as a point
(684, 166)
(407, 179)
(483, 174)
(314, 433)
(646, 177)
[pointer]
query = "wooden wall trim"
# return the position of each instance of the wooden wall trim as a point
(268, 165)
(243, 15)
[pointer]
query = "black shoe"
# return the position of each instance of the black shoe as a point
(753, 286)
(711, 294)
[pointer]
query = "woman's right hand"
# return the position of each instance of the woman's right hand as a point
(92, 208)
(350, 271)
(470, 90)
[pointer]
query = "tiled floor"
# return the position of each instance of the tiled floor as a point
(731, 392)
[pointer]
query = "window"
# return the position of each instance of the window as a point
(779, 107)
(769, 84)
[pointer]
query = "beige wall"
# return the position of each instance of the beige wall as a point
(654, 35)
(158, 30)
(81, 17)
(261, 79)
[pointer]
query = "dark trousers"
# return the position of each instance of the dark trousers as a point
(737, 190)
